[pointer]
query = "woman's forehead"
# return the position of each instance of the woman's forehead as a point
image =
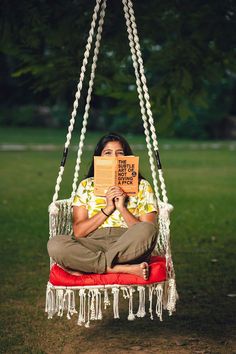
(113, 145)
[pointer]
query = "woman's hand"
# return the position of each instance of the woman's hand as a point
(120, 199)
(115, 198)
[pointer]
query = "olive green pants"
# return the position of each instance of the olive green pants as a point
(105, 247)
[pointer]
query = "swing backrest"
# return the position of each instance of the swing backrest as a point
(60, 222)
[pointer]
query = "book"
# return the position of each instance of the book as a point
(121, 171)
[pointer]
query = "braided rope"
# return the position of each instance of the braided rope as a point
(143, 78)
(78, 93)
(146, 95)
(88, 100)
(164, 220)
(141, 100)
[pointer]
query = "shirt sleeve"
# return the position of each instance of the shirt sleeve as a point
(147, 200)
(81, 197)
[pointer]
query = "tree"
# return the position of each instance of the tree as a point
(187, 46)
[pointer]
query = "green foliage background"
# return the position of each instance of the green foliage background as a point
(189, 56)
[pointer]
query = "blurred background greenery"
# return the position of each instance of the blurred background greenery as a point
(189, 56)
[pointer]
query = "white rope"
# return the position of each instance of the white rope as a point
(159, 293)
(141, 309)
(151, 289)
(78, 94)
(140, 95)
(99, 305)
(146, 95)
(50, 302)
(82, 307)
(115, 292)
(88, 100)
(90, 301)
(143, 78)
(106, 299)
(137, 62)
(87, 324)
(59, 302)
(131, 316)
(69, 300)
(92, 309)
(172, 296)
(164, 233)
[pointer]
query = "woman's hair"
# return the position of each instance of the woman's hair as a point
(102, 143)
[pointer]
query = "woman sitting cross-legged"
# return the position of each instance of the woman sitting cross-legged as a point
(111, 234)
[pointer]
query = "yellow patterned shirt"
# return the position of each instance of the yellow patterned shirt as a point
(142, 203)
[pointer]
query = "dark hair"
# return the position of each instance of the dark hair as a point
(102, 143)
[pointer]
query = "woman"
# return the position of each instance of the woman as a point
(114, 234)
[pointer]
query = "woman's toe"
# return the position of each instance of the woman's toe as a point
(145, 271)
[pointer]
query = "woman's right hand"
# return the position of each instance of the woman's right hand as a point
(111, 194)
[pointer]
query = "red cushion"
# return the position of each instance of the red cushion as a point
(60, 277)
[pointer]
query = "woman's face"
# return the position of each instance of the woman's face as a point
(112, 149)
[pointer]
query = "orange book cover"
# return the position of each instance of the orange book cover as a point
(121, 171)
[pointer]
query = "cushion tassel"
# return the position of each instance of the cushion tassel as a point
(99, 317)
(125, 292)
(96, 304)
(151, 289)
(92, 308)
(115, 292)
(67, 302)
(72, 309)
(82, 304)
(131, 316)
(50, 302)
(172, 296)
(106, 299)
(59, 302)
(87, 324)
(141, 310)
(70, 303)
(96, 295)
(159, 293)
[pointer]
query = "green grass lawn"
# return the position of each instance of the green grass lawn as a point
(201, 186)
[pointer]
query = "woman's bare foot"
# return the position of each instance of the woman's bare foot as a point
(141, 269)
(145, 270)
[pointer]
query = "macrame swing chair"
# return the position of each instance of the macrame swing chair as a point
(94, 291)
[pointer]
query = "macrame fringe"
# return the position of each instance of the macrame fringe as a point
(62, 300)
(141, 309)
(170, 296)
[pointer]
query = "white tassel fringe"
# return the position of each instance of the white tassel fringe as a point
(59, 300)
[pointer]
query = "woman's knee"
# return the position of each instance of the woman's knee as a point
(147, 230)
(55, 246)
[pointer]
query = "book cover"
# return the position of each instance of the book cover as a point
(121, 171)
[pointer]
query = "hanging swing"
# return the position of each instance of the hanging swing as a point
(95, 289)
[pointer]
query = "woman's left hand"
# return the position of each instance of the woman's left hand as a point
(120, 199)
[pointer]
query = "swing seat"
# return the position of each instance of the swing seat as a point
(63, 287)
(59, 277)
(91, 288)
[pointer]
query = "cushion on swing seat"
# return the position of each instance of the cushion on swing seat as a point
(157, 269)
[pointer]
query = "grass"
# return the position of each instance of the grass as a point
(56, 136)
(200, 184)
